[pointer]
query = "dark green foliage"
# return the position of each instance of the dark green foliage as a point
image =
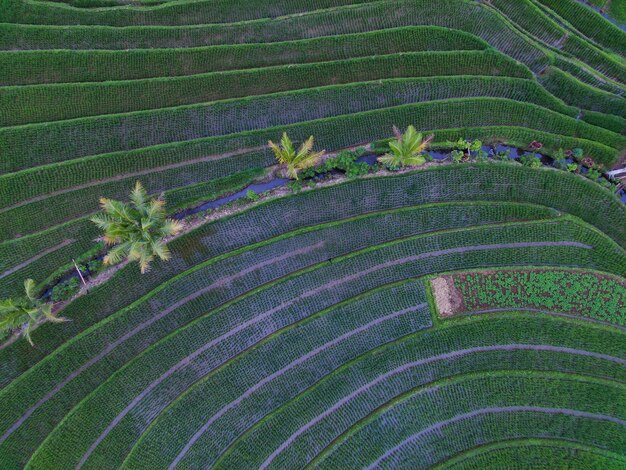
(593, 295)
(65, 290)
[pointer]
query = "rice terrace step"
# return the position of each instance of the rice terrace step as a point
(241, 234)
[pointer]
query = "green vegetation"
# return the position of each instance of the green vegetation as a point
(290, 308)
(295, 161)
(594, 295)
(23, 313)
(136, 231)
(407, 149)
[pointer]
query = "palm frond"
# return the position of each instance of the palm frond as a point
(161, 250)
(171, 227)
(144, 262)
(138, 196)
(306, 147)
(287, 144)
(46, 311)
(116, 255)
(26, 333)
(29, 288)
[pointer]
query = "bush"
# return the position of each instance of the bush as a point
(530, 160)
(252, 196)
(65, 290)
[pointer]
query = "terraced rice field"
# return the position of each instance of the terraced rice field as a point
(450, 315)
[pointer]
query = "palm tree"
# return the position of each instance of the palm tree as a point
(137, 230)
(25, 311)
(295, 161)
(407, 149)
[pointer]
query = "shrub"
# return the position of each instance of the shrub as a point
(530, 160)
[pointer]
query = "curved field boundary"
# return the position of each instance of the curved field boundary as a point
(35, 258)
(350, 281)
(441, 115)
(224, 435)
(66, 66)
(547, 312)
(279, 373)
(408, 222)
(463, 15)
(533, 21)
(55, 102)
(494, 410)
(85, 233)
(339, 414)
(467, 181)
(442, 357)
(167, 14)
(455, 400)
(151, 413)
(168, 166)
(591, 24)
(352, 19)
(130, 131)
(576, 93)
(521, 449)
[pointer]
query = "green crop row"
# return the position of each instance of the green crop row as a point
(279, 302)
(588, 75)
(465, 15)
(196, 247)
(45, 255)
(535, 22)
(71, 205)
(230, 256)
(591, 295)
(589, 23)
(493, 182)
(576, 93)
(33, 67)
(448, 116)
(33, 103)
(182, 12)
(291, 411)
(330, 322)
(404, 418)
(103, 134)
(527, 452)
(110, 133)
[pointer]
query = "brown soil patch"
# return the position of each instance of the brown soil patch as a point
(447, 297)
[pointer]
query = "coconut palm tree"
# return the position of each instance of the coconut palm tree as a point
(136, 230)
(407, 149)
(295, 161)
(25, 312)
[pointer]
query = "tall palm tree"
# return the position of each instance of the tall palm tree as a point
(295, 161)
(16, 313)
(407, 149)
(136, 230)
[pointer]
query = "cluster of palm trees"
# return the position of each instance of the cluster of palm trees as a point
(138, 231)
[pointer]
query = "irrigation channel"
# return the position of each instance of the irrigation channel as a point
(370, 158)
